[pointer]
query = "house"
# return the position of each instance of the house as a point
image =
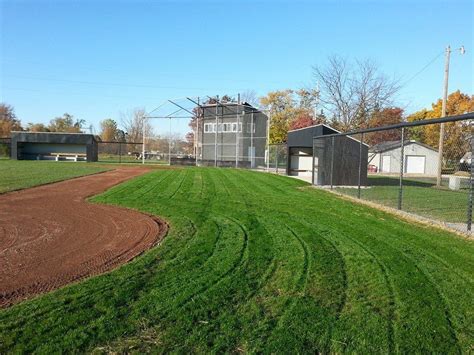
(53, 146)
(419, 158)
(232, 134)
(336, 164)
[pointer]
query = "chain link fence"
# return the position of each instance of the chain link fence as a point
(277, 158)
(404, 167)
(119, 152)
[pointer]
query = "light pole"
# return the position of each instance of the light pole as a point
(443, 111)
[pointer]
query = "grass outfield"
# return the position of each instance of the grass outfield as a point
(15, 175)
(420, 196)
(256, 262)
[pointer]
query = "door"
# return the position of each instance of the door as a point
(251, 156)
(415, 164)
(386, 163)
(316, 166)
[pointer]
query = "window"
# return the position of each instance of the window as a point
(209, 127)
(227, 127)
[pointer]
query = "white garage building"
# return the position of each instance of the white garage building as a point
(419, 158)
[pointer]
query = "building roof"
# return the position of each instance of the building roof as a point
(230, 103)
(390, 145)
(316, 130)
(53, 137)
(30, 132)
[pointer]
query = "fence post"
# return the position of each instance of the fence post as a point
(360, 163)
(215, 132)
(237, 142)
(120, 152)
(332, 161)
(314, 159)
(402, 159)
(276, 159)
(471, 181)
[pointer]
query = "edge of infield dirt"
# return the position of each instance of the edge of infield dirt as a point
(31, 291)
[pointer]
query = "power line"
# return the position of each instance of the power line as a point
(424, 68)
(101, 83)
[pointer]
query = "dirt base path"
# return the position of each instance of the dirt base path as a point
(50, 236)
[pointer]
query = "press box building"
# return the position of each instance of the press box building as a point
(232, 134)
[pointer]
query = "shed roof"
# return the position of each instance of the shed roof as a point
(53, 137)
(303, 137)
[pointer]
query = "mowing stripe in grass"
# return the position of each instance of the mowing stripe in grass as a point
(259, 263)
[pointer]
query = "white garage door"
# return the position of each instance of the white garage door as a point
(386, 163)
(415, 164)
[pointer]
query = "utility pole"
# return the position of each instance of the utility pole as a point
(443, 111)
(443, 114)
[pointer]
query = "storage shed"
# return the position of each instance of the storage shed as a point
(419, 158)
(336, 164)
(53, 146)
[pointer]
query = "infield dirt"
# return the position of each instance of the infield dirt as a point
(51, 236)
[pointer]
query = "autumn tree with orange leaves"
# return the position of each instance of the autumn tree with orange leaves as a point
(456, 133)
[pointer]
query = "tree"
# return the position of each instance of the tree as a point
(301, 121)
(8, 120)
(384, 117)
(288, 109)
(189, 143)
(109, 130)
(250, 97)
(281, 107)
(66, 123)
(456, 133)
(351, 92)
(37, 127)
(418, 133)
(132, 122)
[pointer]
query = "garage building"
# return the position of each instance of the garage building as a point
(419, 158)
(343, 161)
(53, 146)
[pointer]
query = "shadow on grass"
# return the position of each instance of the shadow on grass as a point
(394, 181)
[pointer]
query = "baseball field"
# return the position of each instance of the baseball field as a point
(255, 262)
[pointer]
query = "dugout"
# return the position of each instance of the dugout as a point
(54, 146)
(342, 157)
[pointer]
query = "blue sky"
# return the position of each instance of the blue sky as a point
(94, 59)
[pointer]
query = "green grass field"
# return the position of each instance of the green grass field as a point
(256, 262)
(15, 175)
(420, 196)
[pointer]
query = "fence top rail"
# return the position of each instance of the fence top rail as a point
(464, 117)
(117, 142)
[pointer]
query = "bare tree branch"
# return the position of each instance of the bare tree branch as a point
(352, 92)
